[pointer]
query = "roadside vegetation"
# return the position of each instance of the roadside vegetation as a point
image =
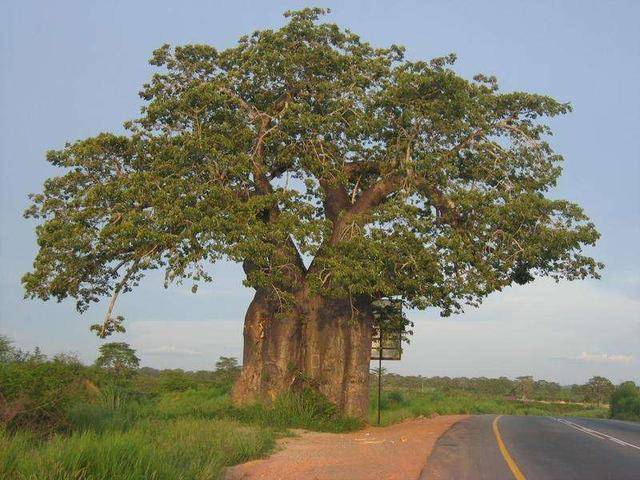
(62, 419)
(625, 402)
(397, 405)
(414, 396)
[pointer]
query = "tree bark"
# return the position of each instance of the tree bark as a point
(317, 343)
(272, 353)
(337, 348)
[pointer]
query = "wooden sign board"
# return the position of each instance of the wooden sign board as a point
(386, 347)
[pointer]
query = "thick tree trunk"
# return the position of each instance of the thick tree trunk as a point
(337, 347)
(272, 356)
(318, 343)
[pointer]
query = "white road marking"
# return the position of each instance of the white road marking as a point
(597, 434)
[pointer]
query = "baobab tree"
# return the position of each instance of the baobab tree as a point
(336, 173)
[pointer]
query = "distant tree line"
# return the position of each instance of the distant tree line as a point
(597, 390)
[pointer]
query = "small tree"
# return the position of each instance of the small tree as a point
(524, 387)
(545, 390)
(119, 359)
(598, 389)
(227, 369)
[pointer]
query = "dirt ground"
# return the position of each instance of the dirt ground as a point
(397, 452)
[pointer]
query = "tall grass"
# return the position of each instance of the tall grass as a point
(151, 449)
(308, 410)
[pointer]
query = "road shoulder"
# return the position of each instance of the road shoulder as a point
(396, 452)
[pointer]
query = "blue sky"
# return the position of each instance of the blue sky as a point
(71, 69)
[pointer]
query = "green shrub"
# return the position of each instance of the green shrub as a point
(36, 393)
(395, 397)
(625, 402)
(176, 381)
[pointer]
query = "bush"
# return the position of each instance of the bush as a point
(395, 398)
(176, 381)
(35, 393)
(625, 402)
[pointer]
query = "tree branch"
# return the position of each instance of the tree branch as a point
(375, 194)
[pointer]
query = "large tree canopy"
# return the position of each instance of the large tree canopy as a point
(314, 159)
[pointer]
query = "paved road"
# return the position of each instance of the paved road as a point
(536, 448)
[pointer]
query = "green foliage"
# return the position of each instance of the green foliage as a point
(228, 370)
(126, 434)
(114, 396)
(400, 179)
(625, 402)
(176, 381)
(8, 353)
(524, 387)
(227, 364)
(598, 389)
(119, 359)
(35, 392)
(389, 318)
(98, 417)
(407, 396)
(392, 399)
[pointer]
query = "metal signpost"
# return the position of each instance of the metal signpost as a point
(385, 344)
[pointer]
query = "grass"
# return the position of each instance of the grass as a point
(400, 405)
(151, 449)
(307, 410)
(182, 435)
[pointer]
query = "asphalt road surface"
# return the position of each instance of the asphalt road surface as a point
(487, 447)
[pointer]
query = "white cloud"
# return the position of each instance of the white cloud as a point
(600, 358)
(170, 349)
(188, 344)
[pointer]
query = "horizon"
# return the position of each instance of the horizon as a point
(142, 368)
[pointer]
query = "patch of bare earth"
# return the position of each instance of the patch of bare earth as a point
(396, 452)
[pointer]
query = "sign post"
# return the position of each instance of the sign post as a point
(379, 384)
(386, 341)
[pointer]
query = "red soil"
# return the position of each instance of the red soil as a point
(397, 452)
